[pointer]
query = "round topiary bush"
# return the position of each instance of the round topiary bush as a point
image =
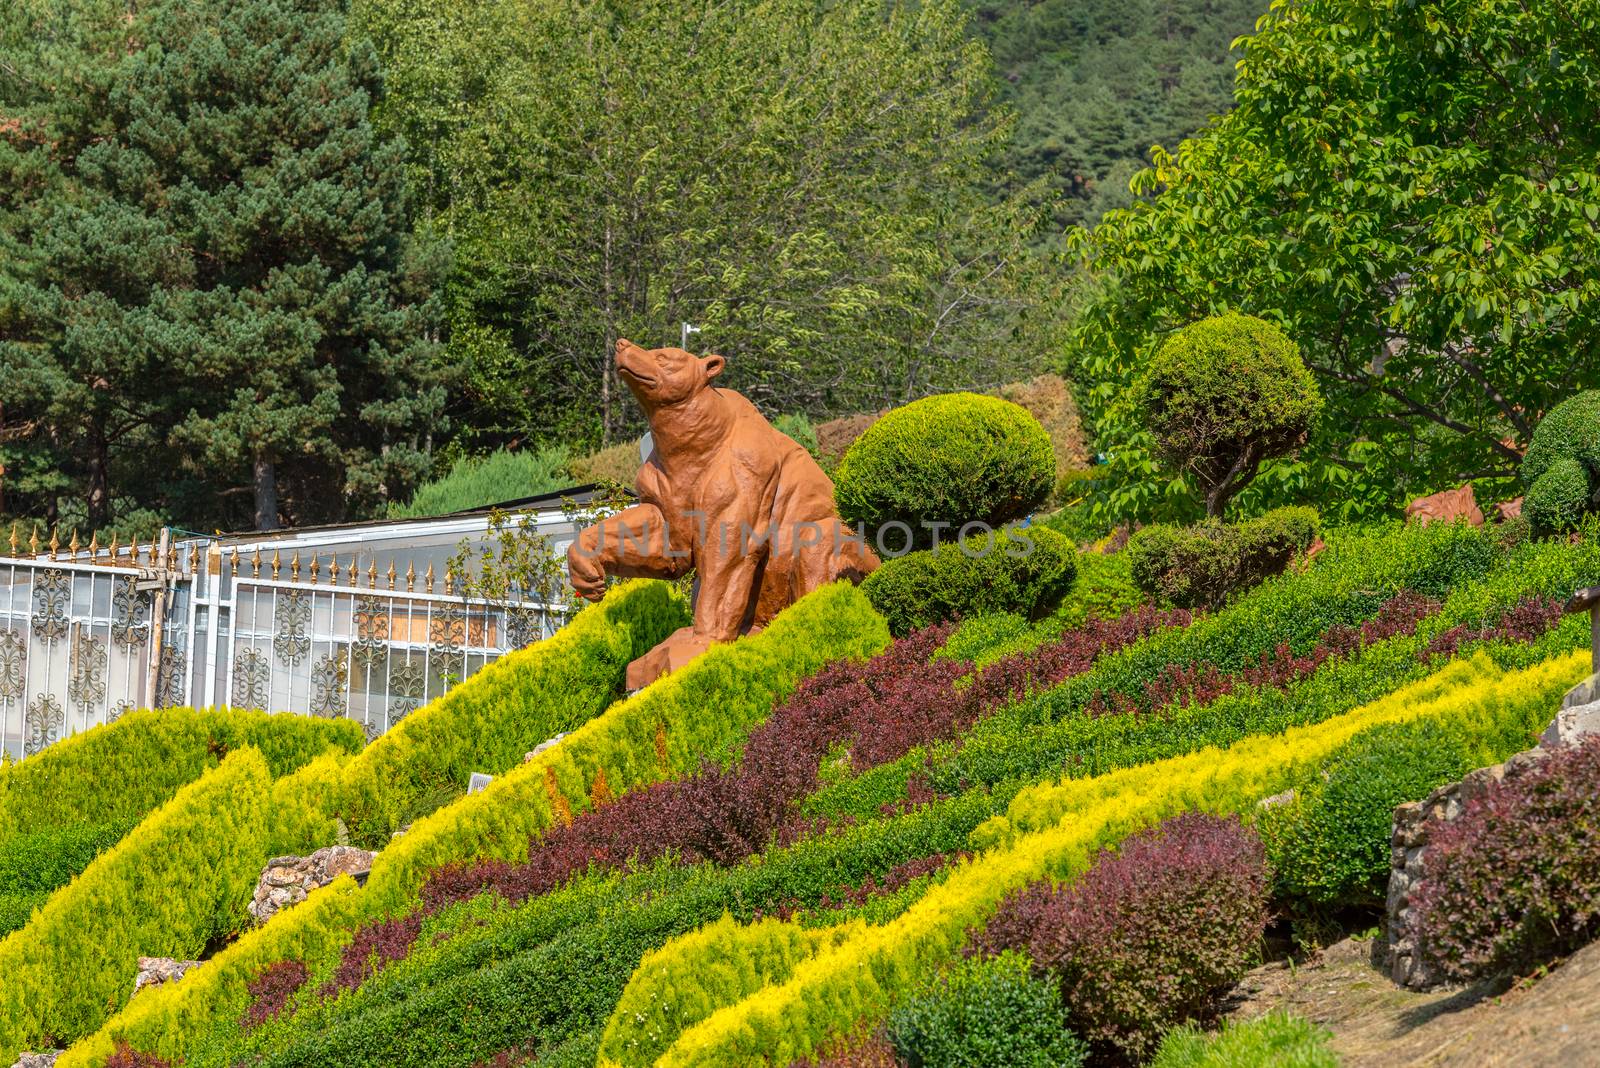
(1022, 570)
(1561, 471)
(951, 459)
(1222, 396)
(990, 1013)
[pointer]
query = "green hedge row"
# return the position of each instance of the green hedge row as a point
(33, 866)
(492, 719)
(1329, 845)
(174, 884)
(663, 730)
(1049, 732)
(122, 770)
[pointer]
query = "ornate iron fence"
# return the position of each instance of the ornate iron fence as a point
(88, 633)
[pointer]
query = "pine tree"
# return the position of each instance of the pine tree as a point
(210, 297)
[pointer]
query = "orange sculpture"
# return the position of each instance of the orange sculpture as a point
(722, 492)
(1447, 506)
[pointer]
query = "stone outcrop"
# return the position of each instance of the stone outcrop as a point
(288, 880)
(38, 1060)
(1416, 821)
(153, 971)
(1579, 715)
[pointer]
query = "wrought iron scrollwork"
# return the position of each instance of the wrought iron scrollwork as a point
(170, 677)
(13, 666)
(118, 710)
(372, 632)
(252, 680)
(328, 680)
(45, 720)
(293, 616)
(447, 634)
(522, 626)
(408, 682)
(86, 682)
(130, 623)
(53, 592)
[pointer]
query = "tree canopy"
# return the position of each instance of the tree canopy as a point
(1410, 189)
(208, 288)
(808, 184)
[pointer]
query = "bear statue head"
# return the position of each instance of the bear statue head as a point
(660, 377)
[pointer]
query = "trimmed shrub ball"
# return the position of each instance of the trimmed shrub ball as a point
(1148, 937)
(951, 459)
(1223, 396)
(1025, 570)
(987, 1014)
(1561, 471)
(1203, 565)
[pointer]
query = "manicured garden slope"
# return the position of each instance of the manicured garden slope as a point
(1052, 830)
(700, 712)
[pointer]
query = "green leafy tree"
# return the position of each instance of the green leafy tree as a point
(1410, 187)
(210, 302)
(807, 183)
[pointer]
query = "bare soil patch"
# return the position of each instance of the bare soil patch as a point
(1553, 1021)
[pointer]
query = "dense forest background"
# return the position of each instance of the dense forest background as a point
(1096, 83)
(283, 261)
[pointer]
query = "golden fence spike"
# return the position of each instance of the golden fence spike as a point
(33, 541)
(429, 579)
(352, 572)
(72, 546)
(194, 557)
(277, 563)
(315, 566)
(255, 563)
(372, 574)
(94, 546)
(16, 542)
(113, 549)
(233, 563)
(391, 573)
(55, 543)
(449, 581)
(411, 576)
(294, 567)
(172, 558)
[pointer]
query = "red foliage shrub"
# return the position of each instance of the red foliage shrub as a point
(1514, 882)
(374, 945)
(1149, 935)
(271, 989)
(510, 1058)
(126, 1056)
(1524, 621)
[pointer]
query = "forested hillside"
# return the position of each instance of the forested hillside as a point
(1095, 83)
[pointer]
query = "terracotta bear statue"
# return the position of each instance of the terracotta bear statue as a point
(722, 492)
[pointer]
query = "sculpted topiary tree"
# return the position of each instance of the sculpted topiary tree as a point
(1561, 472)
(1222, 396)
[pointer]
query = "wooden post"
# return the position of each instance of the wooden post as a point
(1588, 600)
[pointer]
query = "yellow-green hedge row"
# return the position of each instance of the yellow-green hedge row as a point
(1055, 830)
(705, 709)
(175, 882)
(122, 770)
(691, 977)
(489, 721)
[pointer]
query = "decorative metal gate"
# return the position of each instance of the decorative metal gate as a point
(88, 633)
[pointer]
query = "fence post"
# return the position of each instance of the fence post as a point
(1588, 600)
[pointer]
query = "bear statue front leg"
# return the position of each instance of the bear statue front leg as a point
(631, 544)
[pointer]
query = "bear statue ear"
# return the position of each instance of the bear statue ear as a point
(713, 365)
